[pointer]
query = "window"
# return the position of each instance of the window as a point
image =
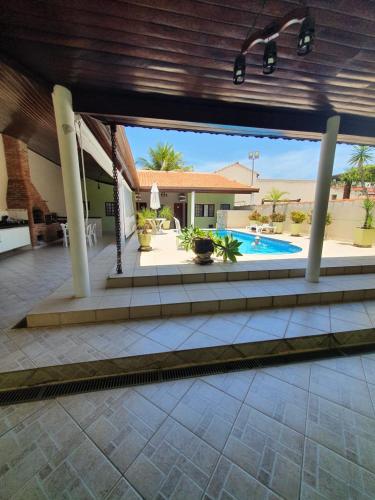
(109, 208)
(204, 210)
(224, 206)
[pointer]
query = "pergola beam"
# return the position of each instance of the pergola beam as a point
(124, 107)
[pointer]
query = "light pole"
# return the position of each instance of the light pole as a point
(253, 155)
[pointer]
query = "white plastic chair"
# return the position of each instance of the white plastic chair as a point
(178, 225)
(93, 233)
(178, 231)
(89, 235)
(64, 228)
(265, 228)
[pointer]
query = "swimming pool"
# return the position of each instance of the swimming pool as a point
(267, 245)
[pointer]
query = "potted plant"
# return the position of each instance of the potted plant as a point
(297, 218)
(364, 236)
(227, 248)
(144, 229)
(166, 213)
(328, 220)
(205, 243)
(187, 236)
(264, 219)
(278, 219)
(203, 247)
(254, 217)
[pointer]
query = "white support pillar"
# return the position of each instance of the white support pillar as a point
(323, 185)
(192, 208)
(64, 115)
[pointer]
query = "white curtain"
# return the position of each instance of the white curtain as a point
(89, 143)
(128, 222)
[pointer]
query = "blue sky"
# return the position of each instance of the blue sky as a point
(279, 159)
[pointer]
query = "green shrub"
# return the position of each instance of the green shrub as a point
(264, 219)
(297, 217)
(142, 224)
(227, 247)
(329, 218)
(188, 234)
(277, 217)
(255, 215)
(166, 213)
(368, 205)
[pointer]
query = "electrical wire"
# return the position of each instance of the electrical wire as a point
(255, 19)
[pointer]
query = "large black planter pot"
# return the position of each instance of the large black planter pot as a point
(203, 248)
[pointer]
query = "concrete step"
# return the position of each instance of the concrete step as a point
(278, 269)
(157, 367)
(174, 300)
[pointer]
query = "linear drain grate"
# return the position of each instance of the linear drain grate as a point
(117, 381)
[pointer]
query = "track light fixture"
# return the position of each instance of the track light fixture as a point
(239, 69)
(268, 35)
(269, 58)
(306, 37)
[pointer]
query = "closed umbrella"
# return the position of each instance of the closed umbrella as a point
(154, 200)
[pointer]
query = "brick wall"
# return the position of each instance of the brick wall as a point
(21, 192)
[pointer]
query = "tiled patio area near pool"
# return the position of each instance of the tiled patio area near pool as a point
(166, 263)
(296, 431)
(165, 290)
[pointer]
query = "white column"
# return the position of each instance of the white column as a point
(64, 115)
(323, 185)
(192, 208)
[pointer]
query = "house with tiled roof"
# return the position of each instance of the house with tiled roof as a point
(193, 196)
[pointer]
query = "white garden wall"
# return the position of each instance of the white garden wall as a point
(346, 215)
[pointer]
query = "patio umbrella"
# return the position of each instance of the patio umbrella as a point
(154, 199)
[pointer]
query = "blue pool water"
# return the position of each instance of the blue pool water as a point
(267, 245)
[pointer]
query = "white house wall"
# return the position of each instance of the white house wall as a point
(346, 215)
(46, 177)
(304, 189)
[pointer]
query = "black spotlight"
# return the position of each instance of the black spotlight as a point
(269, 58)
(306, 37)
(239, 69)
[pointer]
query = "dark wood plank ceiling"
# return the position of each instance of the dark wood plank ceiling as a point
(26, 112)
(187, 48)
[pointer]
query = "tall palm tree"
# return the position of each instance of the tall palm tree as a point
(361, 156)
(163, 157)
(275, 196)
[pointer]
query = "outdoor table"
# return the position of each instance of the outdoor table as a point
(156, 224)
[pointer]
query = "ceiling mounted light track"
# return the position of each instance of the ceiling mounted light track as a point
(306, 37)
(268, 35)
(269, 58)
(239, 71)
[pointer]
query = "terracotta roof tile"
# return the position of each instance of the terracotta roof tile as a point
(191, 181)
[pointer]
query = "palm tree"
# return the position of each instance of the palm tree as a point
(349, 177)
(163, 157)
(275, 196)
(361, 156)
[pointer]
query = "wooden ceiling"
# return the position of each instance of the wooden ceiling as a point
(26, 113)
(185, 50)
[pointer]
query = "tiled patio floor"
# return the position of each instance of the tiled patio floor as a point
(37, 347)
(303, 430)
(202, 297)
(167, 259)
